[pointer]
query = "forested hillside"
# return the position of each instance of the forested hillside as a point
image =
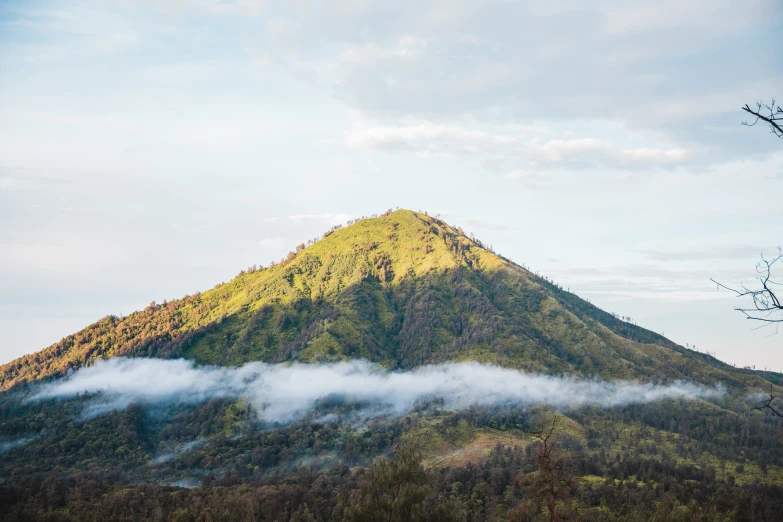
(402, 290)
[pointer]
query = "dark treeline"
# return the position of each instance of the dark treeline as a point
(648, 462)
(508, 485)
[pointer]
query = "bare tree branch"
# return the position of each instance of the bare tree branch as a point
(767, 405)
(765, 305)
(771, 113)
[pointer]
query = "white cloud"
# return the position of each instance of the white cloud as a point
(408, 45)
(424, 136)
(647, 67)
(722, 252)
(284, 393)
(486, 222)
(217, 7)
(509, 148)
(648, 282)
(654, 157)
(554, 151)
(523, 174)
(64, 256)
(673, 16)
(329, 218)
(21, 180)
(361, 53)
(275, 243)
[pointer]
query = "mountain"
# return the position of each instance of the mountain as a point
(402, 290)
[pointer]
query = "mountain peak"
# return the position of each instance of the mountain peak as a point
(402, 289)
(392, 246)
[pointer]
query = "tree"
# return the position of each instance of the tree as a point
(766, 404)
(392, 490)
(766, 306)
(764, 303)
(771, 113)
(550, 485)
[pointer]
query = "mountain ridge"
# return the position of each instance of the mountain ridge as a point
(402, 289)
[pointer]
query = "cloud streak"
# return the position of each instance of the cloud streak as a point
(330, 218)
(285, 393)
(720, 253)
(511, 147)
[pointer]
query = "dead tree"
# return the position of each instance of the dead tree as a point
(554, 476)
(765, 303)
(766, 404)
(771, 114)
(766, 308)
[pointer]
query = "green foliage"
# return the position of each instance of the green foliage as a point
(392, 489)
(402, 290)
(632, 463)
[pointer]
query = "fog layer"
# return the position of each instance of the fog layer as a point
(286, 392)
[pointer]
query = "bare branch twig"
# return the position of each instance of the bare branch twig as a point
(766, 304)
(767, 405)
(774, 119)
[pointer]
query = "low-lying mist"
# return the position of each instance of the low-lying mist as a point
(286, 392)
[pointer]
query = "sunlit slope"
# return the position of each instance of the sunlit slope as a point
(404, 289)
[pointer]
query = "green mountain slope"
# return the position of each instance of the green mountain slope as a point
(403, 289)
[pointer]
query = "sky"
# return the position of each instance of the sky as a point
(152, 149)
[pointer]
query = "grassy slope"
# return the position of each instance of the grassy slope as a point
(404, 289)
